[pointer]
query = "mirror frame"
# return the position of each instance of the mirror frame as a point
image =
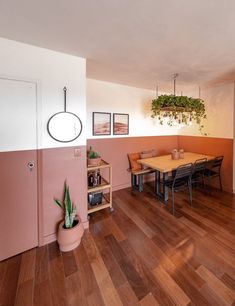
(64, 141)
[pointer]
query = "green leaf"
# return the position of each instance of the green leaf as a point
(58, 203)
(68, 207)
(68, 202)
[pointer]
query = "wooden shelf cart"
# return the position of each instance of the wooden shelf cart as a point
(105, 184)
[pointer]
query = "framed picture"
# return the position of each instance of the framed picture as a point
(101, 123)
(120, 124)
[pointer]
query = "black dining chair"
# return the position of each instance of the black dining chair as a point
(213, 170)
(199, 167)
(181, 180)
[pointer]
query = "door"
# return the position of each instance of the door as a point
(18, 167)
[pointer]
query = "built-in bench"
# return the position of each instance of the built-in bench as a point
(138, 171)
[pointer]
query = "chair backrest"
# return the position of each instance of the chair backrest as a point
(183, 172)
(200, 165)
(132, 158)
(216, 163)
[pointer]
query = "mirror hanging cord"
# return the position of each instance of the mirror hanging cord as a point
(65, 92)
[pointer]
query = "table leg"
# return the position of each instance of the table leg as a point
(165, 189)
(157, 183)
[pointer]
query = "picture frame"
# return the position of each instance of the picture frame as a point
(120, 124)
(101, 123)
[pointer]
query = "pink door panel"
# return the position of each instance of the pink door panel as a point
(18, 183)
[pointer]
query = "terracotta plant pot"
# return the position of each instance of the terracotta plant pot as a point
(94, 161)
(70, 238)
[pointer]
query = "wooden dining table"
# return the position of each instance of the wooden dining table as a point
(165, 164)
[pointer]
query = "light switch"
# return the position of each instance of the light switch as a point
(77, 152)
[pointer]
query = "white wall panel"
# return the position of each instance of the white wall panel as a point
(51, 71)
(116, 98)
(18, 113)
(219, 103)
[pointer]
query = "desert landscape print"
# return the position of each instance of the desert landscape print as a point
(120, 124)
(101, 123)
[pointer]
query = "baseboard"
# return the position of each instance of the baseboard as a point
(122, 186)
(50, 238)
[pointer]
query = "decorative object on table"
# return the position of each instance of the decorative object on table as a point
(93, 158)
(95, 198)
(120, 124)
(175, 154)
(179, 109)
(64, 126)
(101, 123)
(71, 228)
(181, 153)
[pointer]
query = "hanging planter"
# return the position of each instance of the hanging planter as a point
(174, 109)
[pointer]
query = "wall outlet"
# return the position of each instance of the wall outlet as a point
(77, 152)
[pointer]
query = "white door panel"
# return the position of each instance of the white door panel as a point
(18, 183)
(18, 115)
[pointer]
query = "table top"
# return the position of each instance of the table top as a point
(166, 164)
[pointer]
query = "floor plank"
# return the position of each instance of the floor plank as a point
(127, 295)
(104, 281)
(9, 286)
(216, 285)
(170, 286)
(24, 295)
(86, 285)
(27, 267)
(69, 262)
(149, 300)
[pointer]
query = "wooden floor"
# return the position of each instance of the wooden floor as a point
(138, 255)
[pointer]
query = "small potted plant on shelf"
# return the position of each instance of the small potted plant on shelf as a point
(71, 228)
(93, 158)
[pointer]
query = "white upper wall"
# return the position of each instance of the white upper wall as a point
(111, 97)
(116, 98)
(51, 71)
(219, 103)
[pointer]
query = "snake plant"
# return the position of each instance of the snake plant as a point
(68, 207)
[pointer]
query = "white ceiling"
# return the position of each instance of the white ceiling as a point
(134, 42)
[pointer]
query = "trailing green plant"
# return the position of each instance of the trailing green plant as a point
(178, 109)
(93, 154)
(68, 207)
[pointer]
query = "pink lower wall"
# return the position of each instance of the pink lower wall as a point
(115, 150)
(27, 196)
(55, 166)
(213, 146)
(18, 203)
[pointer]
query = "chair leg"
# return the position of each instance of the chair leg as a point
(173, 201)
(209, 184)
(221, 188)
(203, 182)
(140, 183)
(190, 194)
(137, 182)
(132, 180)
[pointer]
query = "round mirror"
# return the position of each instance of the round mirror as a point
(64, 126)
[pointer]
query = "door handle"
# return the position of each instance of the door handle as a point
(31, 165)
